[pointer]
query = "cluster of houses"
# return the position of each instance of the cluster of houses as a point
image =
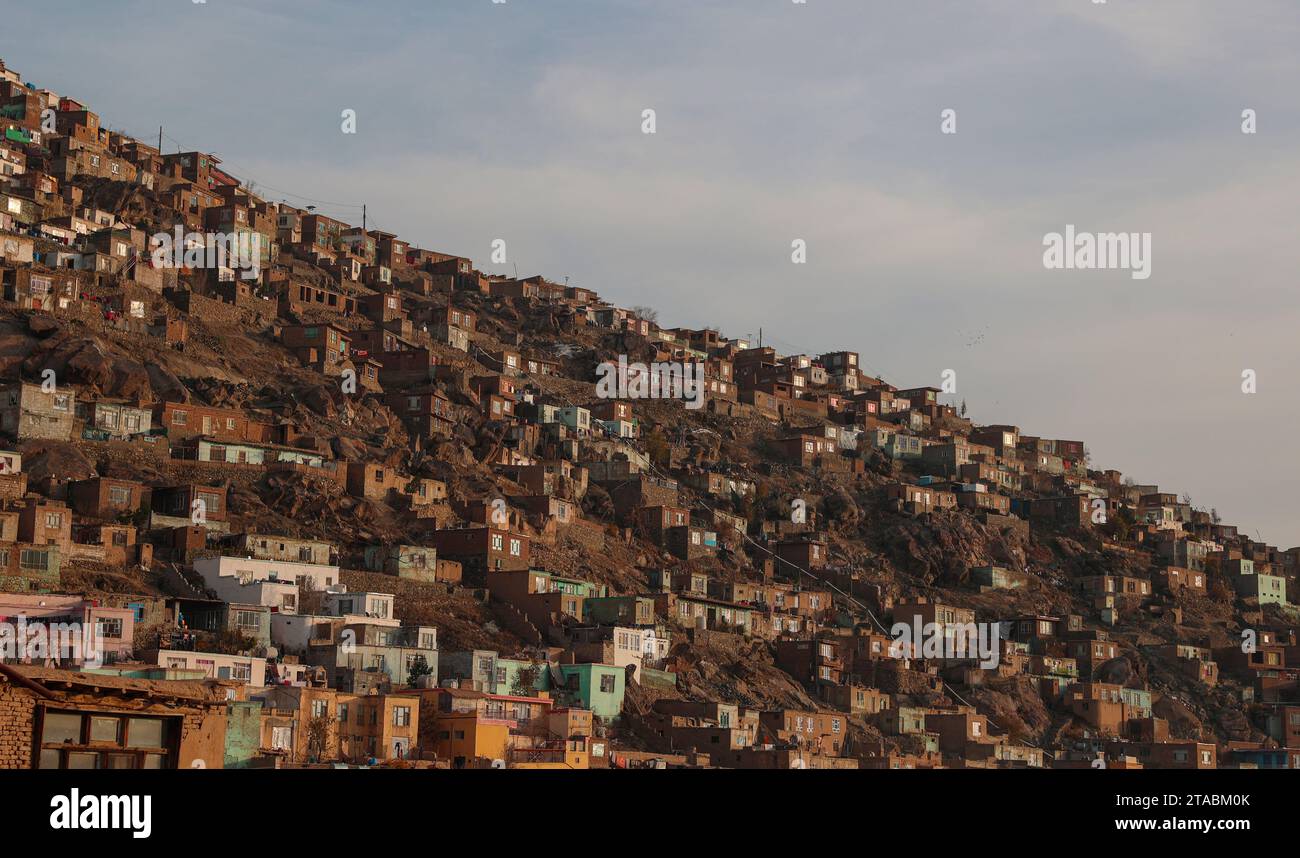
(254, 652)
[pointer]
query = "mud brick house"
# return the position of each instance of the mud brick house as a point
(45, 522)
(25, 567)
(178, 506)
(1265, 659)
(703, 728)
(812, 662)
(620, 610)
(63, 720)
(690, 543)
(105, 498)
(498, 407)
(115, 420)
(1186, 553)
(249, 453)
(807, 450)
(27, 411)
(916, 500)
(957, 729)
(23, 211)
(481, 550)
(1036, 630)
(1003, 439)
(702, 612)
(273, 547)
(381, 483)
(822, 732)
(413, 562)
(1194, 661)
(855, 699)
(998, 578)
(33, 289)
(545, 509)
(923, 611)
(897, 445)
(113, 544)
(1115, 585)
(982, 501)
(656, 520)
(1107, 708)
(299, 298)
(995, 476)
(806, 553)
(405, 366)
(1092, 651)
(320, 346)
(946, 459)
(1171, 755)
(13, 485)
(641, 490)
(185, 420)
(426, 414)
(15, 250)
(543, 599)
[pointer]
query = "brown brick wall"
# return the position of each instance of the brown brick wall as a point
(17, 710)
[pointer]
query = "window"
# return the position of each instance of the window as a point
(73, 740)
(33, 560)
(607, 684)
(119, 495)
(319, 708)
(401, 716)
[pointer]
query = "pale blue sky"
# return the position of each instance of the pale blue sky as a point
(818, 121)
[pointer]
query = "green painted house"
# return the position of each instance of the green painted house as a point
(576, 587)
(243, 733)
(598, 687)
(511, 675)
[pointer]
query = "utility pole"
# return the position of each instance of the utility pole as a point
(363, 217)
(160, 141)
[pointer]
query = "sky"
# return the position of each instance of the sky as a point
(778, 121)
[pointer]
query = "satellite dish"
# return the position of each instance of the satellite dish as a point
(498, 764)
(798, 764)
